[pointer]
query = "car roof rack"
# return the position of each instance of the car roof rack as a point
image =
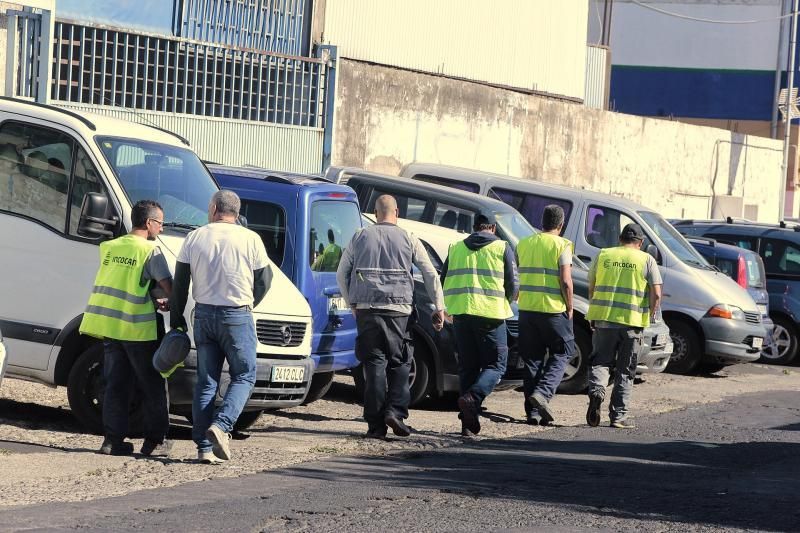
(783, 224)
(704, 240)
(88, 123)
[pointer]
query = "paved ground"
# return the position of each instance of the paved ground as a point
(727, 465)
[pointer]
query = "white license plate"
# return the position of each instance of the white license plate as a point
(757, 342)
(662, 339)
(336, 304)
(762, 309)
(287, 374)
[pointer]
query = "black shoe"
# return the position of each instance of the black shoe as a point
(593, 412)
(110, 447)
(156, 449)
(397, 425)
(533, 419)
(376, 433)
(469, 412)
(466, 433)
(540, 403)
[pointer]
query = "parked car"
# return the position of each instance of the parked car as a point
(779, 248)
(69, 182)
(711, 319)
(305, 222)
(746, 268)
(456, 209)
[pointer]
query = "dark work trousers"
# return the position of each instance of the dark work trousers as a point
(482, 353)
(540, 333)
(127, 364)
(616, 348)
(381, 348)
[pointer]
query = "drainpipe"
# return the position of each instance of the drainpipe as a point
(788, 120)
(773, 129)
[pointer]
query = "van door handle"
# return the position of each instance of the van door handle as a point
(585, 258)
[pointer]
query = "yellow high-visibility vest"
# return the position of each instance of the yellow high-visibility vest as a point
(621, 294)
(119, 307)
(474, 284)
(539, 274)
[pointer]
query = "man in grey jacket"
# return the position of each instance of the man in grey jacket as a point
(375, 278)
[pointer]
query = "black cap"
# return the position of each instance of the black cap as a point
(485, 218)
(632, 231)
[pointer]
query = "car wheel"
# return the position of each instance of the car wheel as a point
(320, 385)
(784, 350)
(687, 348)
(420, 377)
(86, 389)
(576, 374)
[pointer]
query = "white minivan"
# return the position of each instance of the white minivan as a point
(67, 182)
(712, 320)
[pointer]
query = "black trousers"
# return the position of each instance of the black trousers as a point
(382, 348)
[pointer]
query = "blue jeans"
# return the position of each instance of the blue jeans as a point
(538, 334)
(222, 334)
(482, 353)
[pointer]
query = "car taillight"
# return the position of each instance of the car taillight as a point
(741, 275)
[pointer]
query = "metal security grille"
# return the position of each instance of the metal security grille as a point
(270, 25)
(111, 67)
(27, 41)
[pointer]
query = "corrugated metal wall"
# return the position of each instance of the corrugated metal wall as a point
(598, 71)
(538, 45)
(232, 142)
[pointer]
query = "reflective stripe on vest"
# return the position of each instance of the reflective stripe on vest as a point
(621, 294)
(539, 273)
(120, 307)
(475, 281)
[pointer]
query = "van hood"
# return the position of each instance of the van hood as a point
(283, 298)
(727, 291)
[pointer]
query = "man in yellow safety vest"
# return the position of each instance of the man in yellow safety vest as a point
(624, 295)
(545, 313)
(480, 281)
(122, 313)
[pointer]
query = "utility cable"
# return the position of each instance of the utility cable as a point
(708, 21)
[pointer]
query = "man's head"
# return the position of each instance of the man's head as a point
(631, 235)
(224, 206)
(386, 209)
(484, 222)
(553, 218)
(147, 215)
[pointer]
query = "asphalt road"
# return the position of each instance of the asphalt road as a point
(734, 464)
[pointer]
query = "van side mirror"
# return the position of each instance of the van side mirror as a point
(653, 250)
(94, 212)
(241, 220)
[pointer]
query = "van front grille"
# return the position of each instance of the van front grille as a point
(752, 318)
(279, 333)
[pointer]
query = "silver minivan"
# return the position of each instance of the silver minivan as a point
(712, 320)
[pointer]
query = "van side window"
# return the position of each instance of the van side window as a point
(269, 221)
(451, 217)
(408, 206)
(735, 240)
(780, 257)
(456, 184)
(603, 226)
(34, 172)
(333, 225)
(531, 206)
(85, 179)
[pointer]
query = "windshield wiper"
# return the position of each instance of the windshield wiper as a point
(698, 264)
(180, 225)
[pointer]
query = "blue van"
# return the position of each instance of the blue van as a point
(305, 222)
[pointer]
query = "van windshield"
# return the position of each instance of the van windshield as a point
(172, 176)
(514, 227)
(673, 240)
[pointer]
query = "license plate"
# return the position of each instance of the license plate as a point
(662, 339)
(669, 348)
(336, 304)
(762, 309)
(757, 342)
(287, 374)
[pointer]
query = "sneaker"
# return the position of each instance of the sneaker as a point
(622, 424)
(541, 404)
(593, 412)
(110, 447)
(533, 419)
(220, 442)
(398, 427)
(376, 433)
(156, 449)
(469, 412)
(208, 458)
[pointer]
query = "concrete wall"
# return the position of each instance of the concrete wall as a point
(386, 118)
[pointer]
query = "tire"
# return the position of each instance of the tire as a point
(85, 391)
(320, 385)
(576, 375)
(687, 348)
(421, 377)
(784, 351)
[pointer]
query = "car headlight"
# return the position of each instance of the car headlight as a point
(726, 311)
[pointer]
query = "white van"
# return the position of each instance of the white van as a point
(712, 320)
(67, 182)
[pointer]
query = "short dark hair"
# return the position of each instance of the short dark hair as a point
(552, 217)
(142, 210)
